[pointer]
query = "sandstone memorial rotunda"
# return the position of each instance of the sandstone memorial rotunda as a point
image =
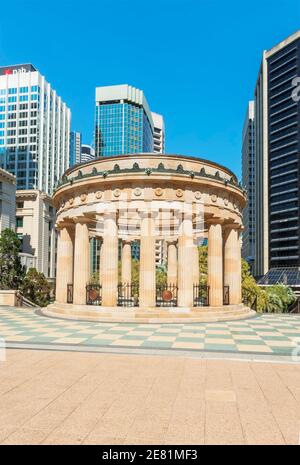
(180, 202)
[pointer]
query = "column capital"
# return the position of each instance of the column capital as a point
(171, 240)
(214, 220)
(126, 240)
(110, 210)
(82, 219)
(228, 226)
(61, 224)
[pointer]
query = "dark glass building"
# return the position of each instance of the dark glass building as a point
(248, 183)
(277, 139)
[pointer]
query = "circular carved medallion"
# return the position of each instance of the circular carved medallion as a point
(158, 191)
(98, 195)
(167, 295)
(117, 192)
(226, 201)
(198, 195)
(137, 191)
(179, 193)
(213, 197)
(83, 197)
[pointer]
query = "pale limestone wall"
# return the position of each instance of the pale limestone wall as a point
(7, 200)
(8, 298)
(37, 214)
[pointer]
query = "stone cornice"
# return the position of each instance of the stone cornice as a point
(150, 156)
(7, 176)
(160, 169)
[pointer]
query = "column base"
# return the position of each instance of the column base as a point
(148, 314)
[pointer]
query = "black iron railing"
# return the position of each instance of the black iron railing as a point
(201, 295)
(69, 293)
(128, 295)
(295, 306)
(93, 294)
(250, 301)
(166, 295)
(226, 295)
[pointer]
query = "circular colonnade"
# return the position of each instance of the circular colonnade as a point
(176, 200)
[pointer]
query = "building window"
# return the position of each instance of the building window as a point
(19, 222)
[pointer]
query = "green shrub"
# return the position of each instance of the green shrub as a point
(36, 287)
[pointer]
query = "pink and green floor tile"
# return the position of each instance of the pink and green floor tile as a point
(277, 334)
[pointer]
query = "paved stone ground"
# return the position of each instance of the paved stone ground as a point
(49, 397)
(266, 334)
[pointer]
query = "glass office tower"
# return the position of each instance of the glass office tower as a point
(277, 169)
(248, 164)
(123, 121)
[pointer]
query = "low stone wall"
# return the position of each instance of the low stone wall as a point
(9, 298)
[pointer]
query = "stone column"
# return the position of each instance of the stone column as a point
(147, 294)
(101, 262)
(239, 266)
(185, 262)
(109, 268)
(81, 261)
(172, 264)
(196, 270)
(215, 264)
(126, 262)
(232, 263)
(64, 267)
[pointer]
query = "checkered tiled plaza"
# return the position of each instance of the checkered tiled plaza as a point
(266, 334)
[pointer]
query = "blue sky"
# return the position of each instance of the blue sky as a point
(197, 61)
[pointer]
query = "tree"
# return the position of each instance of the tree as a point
(36, 287)
(11, 269)
(280, 297)
(161, 276)
(203, 263)
(274, 303)
(94, 279)
(135, 271)
(250, 290)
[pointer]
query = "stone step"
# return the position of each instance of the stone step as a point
(135, 315)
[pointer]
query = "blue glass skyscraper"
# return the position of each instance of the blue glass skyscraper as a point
(123, 121)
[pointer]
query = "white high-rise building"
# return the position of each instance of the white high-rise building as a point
(75, 148)
(87, 153)
(34, 128)
(158, 133)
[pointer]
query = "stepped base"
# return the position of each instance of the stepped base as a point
(148, 315)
